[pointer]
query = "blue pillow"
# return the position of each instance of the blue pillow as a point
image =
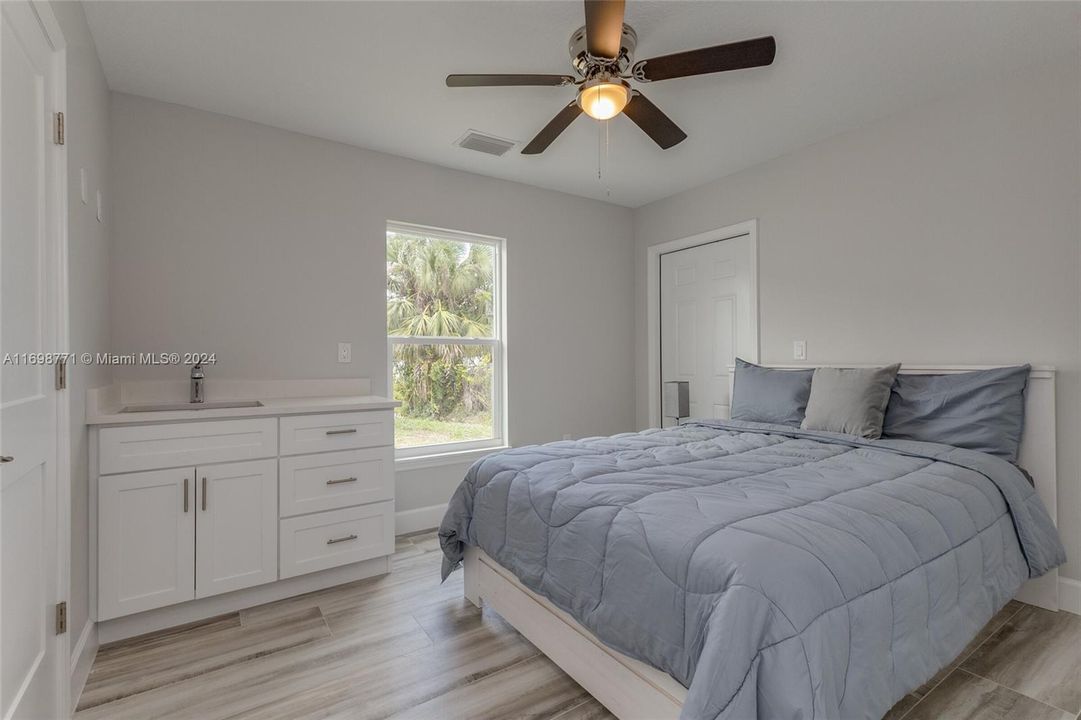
(982, 410)
(769, 395)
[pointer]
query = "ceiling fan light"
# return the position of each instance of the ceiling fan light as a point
(603, 100)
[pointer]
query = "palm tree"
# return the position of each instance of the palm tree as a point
(439, 288)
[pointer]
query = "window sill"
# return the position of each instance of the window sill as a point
(447, 458)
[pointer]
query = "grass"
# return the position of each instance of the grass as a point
(414, 431)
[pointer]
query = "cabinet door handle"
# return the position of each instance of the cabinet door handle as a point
(185, 494)
(339, 481)
(347, 538)
(350, 431)
(204, 493)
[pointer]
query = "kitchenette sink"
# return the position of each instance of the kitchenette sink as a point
(173, 407)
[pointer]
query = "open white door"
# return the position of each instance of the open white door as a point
(708, 316)
(31, 231)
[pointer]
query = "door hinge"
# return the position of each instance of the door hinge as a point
(62, 374)
(61, 617)
(58, 129)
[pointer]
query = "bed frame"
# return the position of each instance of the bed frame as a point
(630, 688)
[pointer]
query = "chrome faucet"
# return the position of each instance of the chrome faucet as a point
(197, 395)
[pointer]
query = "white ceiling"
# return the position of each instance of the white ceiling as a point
(371, 74)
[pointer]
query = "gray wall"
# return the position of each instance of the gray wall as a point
(268, 248)
(87, 142)
(945, 234)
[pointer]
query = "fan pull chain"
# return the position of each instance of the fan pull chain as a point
(599, 143)
(602, 157)
(607, 185)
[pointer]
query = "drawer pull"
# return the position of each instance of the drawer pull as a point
(341, 480)
(185, 494)
(204, 493)
(350, 431)
(347, 538)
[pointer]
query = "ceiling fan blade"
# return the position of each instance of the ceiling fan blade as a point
(507, 80)
(733, 56)
(604, 27)
(552, 130)
(653, 122)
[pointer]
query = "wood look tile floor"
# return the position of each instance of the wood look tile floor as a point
(405, 646)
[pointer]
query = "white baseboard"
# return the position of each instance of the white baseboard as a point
(1069, 595)
(194, 610)
(82, 659)
(425, 518)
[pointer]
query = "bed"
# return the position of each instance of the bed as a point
(729, 569)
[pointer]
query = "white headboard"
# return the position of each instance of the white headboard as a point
(1037, 453)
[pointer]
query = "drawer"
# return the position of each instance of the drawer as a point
(336, 431)
(338, 537)
(328, 481)
(147, 447)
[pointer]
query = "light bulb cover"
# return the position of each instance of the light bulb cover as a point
(604, 97)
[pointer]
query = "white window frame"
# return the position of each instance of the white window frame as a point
(497, 343)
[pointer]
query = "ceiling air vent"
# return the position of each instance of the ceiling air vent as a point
(487, 144)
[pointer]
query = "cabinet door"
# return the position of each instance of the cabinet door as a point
(236, 526)
(146, 541)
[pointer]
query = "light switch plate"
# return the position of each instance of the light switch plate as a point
(345, 352)
(799, 349)
(84, 193)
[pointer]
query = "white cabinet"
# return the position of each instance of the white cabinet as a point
(146, 541)
(155, 525)
(336, 507)
(190, 510)
(236, 526)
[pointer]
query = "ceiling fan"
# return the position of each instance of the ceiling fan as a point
(602, 52)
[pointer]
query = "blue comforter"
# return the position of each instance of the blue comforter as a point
(776, 573)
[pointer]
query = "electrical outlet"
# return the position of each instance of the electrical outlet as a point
(799, 349)
(345, 352)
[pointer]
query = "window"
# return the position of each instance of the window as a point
(445, 339)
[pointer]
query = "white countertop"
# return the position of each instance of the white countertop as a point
(270, 407)
(104, 404)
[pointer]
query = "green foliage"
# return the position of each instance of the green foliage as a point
(440, 288)
(414, 431)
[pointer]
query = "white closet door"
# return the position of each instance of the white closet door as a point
(707, 320)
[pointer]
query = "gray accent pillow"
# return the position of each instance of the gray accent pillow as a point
(769, 395)
(849, 400)
(765, 395)
(982, 410)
